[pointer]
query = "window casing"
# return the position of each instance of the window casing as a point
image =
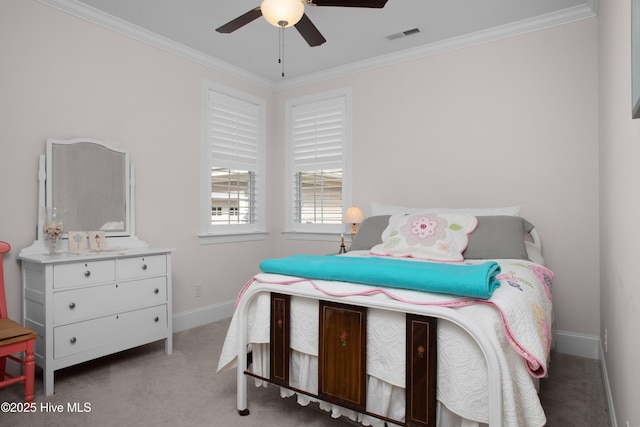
(232, 169)
(318, 179)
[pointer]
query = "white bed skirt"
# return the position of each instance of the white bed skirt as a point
(382, 398)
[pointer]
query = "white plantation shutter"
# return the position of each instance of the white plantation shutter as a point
(235, 126)
(318, 137)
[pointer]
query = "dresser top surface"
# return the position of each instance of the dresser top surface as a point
(68, 257)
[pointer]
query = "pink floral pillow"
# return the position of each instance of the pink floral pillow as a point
(430, 236)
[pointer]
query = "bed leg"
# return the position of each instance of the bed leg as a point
(241, 382)
(242, 404)
(244, 358)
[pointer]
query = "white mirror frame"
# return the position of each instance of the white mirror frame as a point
(116, 240)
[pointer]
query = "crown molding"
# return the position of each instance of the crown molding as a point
(561, 17)
(140, 34)
(88, 13)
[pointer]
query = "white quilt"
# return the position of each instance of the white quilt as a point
(517, 320)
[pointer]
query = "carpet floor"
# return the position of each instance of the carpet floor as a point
(144, 387)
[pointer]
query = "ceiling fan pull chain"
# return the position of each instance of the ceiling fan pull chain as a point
(281, 53)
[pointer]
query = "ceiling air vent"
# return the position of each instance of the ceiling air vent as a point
(405, 33)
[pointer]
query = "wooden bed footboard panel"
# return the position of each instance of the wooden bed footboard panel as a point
(421, 362)
(342, 366)
(280, 329)
(342, 355)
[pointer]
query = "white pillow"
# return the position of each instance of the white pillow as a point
(427, 235)
(378, 208)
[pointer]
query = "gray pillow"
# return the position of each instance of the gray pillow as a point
(498, 237)
(370, 233)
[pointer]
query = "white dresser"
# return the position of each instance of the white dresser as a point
(87, 306)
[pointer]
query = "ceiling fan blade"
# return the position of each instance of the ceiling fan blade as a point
(240, 21)
(350, 3)
(309, 31)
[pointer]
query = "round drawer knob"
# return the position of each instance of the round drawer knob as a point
(72, 305)
(156, 319)
(144, 266)
(87, 273)
(73, 340)
(156, 290)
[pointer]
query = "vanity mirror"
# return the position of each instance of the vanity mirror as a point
(91, 185)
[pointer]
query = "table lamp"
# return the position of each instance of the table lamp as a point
(354, 217)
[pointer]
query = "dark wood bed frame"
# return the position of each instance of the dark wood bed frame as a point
(342, 350)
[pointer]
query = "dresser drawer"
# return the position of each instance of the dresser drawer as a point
(83, 273)
(96, 301)
(144, 266)
(105, 331)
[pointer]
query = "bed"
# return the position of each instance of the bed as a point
(490, 343)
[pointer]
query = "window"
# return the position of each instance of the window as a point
(232, 199)
(232, 196)
(318, 153)
(318, 197)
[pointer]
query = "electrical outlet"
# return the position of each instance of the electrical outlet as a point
(197, 290)
(605, 343)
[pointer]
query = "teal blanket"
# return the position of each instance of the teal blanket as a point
(476, 280)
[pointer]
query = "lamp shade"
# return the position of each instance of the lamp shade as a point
(353, 216)
(282, 13)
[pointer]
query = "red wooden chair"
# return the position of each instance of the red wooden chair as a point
(15, 339)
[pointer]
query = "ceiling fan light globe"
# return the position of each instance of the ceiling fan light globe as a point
(282, 13)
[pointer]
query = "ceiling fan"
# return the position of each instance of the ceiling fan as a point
(287, 13)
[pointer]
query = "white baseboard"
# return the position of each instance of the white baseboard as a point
(577, 344)
(201, 316)
(607, 389)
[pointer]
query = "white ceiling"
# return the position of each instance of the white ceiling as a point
(356, 37)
